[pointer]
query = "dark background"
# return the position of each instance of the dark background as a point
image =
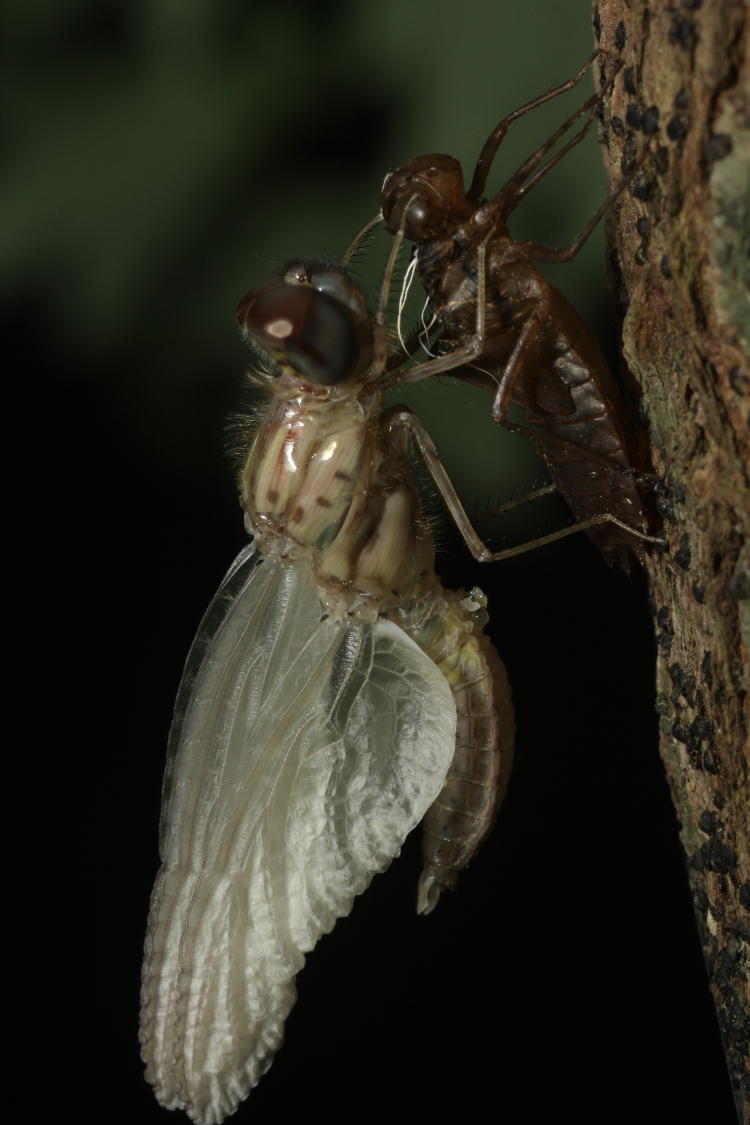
(162, 158)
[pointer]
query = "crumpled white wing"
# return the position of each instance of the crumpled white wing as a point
(302, 753)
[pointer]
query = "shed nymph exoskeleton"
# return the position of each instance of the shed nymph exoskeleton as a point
(335, 696)
(504, 327)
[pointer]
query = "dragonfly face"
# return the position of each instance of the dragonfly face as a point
(313, 320)
(425, 196)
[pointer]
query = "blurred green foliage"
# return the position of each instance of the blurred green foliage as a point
(163, 156)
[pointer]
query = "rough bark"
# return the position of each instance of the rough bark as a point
(680, 238)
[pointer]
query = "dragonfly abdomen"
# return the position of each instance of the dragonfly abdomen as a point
(463, 813)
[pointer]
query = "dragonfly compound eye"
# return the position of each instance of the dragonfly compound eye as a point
(303, 329)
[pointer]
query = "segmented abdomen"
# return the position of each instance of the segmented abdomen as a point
(460, 818)
(586, 449)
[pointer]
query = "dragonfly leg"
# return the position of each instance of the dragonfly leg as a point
(495, 138)
(380, 334)
(550, 164)
(359, 238)
(551, 254)
(400, 418)
(512, 192)
(518, 501)
(516, 360)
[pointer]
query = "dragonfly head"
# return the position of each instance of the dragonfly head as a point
(425, 196)
(312, 321)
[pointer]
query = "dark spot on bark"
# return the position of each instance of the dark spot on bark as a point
(683, 685)
(634, 116)
(662, 617)
(715, 855)
(661, 704)
(665, 507)
(700, 898)
(745, 896)
(717, 147)
(628, 160)
(640, 257)
(620, 36)
(681, 33)
(700, 316)
(735, 1023)
(709, 822)
(680, 732)
(707, 669)
(737, 380)
(628, 79)
(698, 591)
(738, 586)
(717, 561)
(718, 800)
(722, 967)
(710, 764)
(682, 554)
(664, 630)
(701, 728)
(726, 966)
(681, 100)
(617, 126)
(650, 120)
(643, 226)
(677, 127)
(597, 24)
(661, 159)
(663, 268)
(643, 186)
(717, 909)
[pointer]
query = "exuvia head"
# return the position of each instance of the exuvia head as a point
(312, 321)
(425, 196)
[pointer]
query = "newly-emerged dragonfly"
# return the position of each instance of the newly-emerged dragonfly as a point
(336, 696)
(505, 328)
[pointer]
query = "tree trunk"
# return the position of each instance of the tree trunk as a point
(679, 121)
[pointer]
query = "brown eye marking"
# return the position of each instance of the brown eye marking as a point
(297, 514)
(321, 500)
(272, 495)
(341, 475)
